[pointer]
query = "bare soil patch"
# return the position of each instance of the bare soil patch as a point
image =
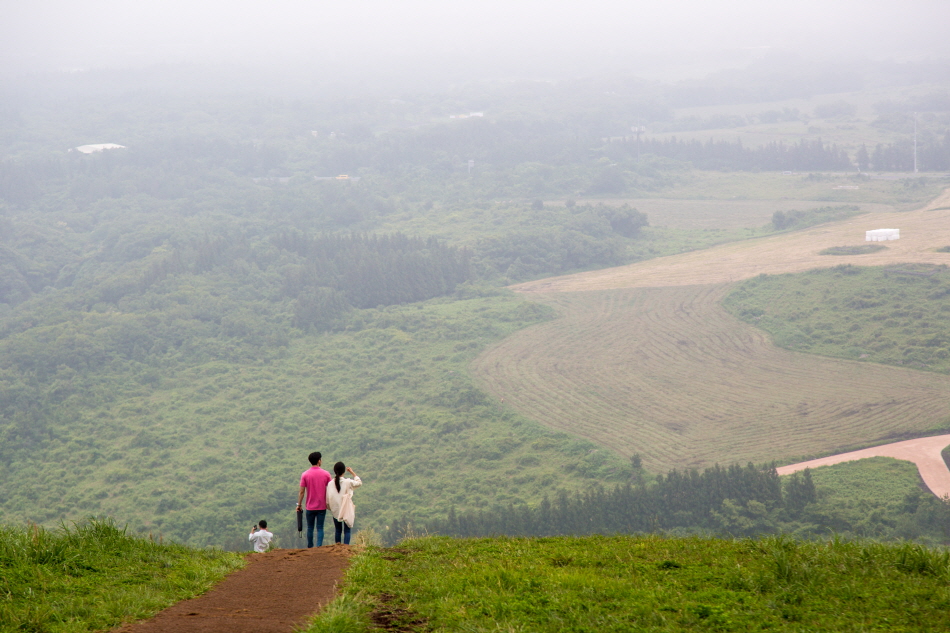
(922, 232)
(275, 593)
(390, 616)
(668, 373)
(925, 452)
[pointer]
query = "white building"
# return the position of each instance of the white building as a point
(98, 147)
(882, 235)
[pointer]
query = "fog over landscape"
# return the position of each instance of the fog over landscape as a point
(664, 282)
(667, 282)
(368, 45)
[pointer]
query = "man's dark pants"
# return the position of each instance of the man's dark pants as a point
(318, 516)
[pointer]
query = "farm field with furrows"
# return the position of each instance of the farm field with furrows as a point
(668, 373)
(922, 232)
(644, 359)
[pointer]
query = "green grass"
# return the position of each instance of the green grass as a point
(878, 497)
(95, 576)
(893, 315)
(646, 583)
(861, 249)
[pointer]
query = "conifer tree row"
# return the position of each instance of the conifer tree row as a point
(735, 499)
(365, 271)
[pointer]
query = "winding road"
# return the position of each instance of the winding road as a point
(923, 451)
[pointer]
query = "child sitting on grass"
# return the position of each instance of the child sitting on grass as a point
(260, 537)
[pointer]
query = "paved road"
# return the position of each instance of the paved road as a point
(924, 452)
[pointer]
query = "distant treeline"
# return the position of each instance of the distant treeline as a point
(932, 155)
(734, 499)
(712, 154)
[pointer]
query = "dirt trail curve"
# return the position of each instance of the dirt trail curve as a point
(275, 593)
(923, 451)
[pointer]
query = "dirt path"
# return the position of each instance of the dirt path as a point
(275, 593)
(923, 451)
(922, 232)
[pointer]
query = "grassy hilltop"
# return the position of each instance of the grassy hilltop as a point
(643, 584)
(94, 577)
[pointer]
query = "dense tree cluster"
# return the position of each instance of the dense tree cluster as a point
(730, 499)
(340, 272)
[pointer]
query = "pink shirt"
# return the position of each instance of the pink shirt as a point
(315, 481)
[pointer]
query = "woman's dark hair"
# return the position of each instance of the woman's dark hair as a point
(338, 468)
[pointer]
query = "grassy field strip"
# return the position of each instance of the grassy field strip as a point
(667, 373)
(922, 231)
(922, 451)
(721, 214)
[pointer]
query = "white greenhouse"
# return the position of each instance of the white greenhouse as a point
(882, 235)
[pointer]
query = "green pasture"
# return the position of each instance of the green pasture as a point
(644, 583)
(893, 315)
(877, 497)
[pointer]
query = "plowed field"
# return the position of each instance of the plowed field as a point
(667, 373)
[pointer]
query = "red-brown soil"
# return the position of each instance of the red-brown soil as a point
(275, 593)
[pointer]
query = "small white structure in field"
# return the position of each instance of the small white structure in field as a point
(882, 235)
(98, 147)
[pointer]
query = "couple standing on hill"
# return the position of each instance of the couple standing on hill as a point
(324, 490)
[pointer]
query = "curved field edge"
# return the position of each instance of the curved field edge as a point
(95, 576)
(668, 374)
(895, 315)
(644, 583)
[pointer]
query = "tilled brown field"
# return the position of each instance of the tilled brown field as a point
(667, 373)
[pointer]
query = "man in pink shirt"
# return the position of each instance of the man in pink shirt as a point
(314, 482)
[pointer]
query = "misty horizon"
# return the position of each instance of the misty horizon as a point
(369, 45)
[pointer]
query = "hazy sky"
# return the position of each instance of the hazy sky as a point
(509, 38)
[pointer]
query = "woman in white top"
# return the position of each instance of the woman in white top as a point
(340, 501)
